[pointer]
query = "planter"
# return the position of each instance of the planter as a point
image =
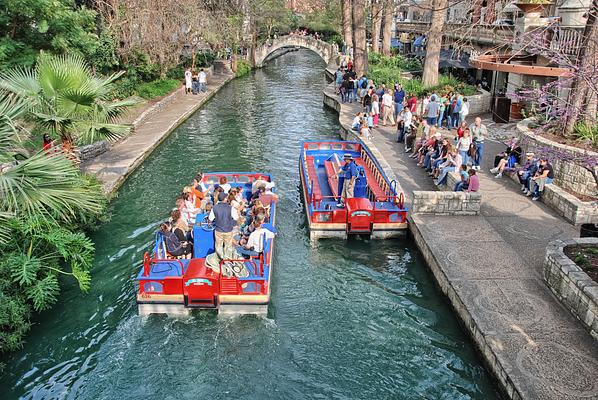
(588, 231)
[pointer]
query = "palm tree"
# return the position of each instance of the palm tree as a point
(43, 184)
(66, 100)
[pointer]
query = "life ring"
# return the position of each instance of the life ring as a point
(401, 200)
(205, 224)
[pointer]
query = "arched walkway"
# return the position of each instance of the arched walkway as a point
(325, 50)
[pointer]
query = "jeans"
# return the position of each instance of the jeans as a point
(464, 156)
(479, 154)
(440, 118)
(344, 95)
(398, 108)
(355, 93)
(443, 172)
(460, 187)
(455, 119)
(537, 183)
(202, 86)
(368, 108)
(401, 134)
(431, 121)
(449, 120)
(524, 178)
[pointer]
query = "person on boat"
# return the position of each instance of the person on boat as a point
(174, 246)
(254, 244)
(267, 198)
(224, 185)
(346, 179)
(224, 219)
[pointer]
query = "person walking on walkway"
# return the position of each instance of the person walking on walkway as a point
(188, 81)
(224, 219)
(431, 110)
(203, 80)
(387, 111)
(478, 134)
(399, 97)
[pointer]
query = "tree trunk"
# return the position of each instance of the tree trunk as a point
(577, 104)
(389, 11)
(347, 22)
(376, 24)
(434, 44)
(360, 51)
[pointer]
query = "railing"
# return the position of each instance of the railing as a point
(566, 40)
(479, 33)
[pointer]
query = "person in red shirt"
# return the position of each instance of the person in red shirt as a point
(461, 129)
(412, 103)
(48, 143)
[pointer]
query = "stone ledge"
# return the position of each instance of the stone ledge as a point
(446, 203)
(571, 285)
(568, 206)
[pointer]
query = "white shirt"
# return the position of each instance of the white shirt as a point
(387, 100)
(233, 213)
(375, 107)
(188, 79)
(464, 143)
(407, 117)
(356, 121)
(256, 239)
(225, 187)
(464, 109)
(202, 77)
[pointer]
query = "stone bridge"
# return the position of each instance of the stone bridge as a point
(325, 50)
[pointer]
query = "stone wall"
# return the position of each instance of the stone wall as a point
(573, 287)
(479, 103)
(446, 203)
(567, 175)
(93, 150)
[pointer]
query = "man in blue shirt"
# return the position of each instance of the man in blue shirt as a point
(346, 181)
(399, 97)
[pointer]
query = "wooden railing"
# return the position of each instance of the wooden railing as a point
(566, 40)
(491, 34)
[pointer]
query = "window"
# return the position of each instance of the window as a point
(243, 179)
(312, 146)
(324, 146)
(153, 287)
(337, 146)
(351, 147)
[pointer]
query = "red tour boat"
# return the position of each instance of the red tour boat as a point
(169, 285)
(377, 208)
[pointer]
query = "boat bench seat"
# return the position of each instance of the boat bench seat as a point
(332, 170)
(372, 181)
(313, 177)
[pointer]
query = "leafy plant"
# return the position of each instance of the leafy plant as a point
(587, 132)
(243, 68)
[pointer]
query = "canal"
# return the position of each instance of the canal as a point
(348, 320)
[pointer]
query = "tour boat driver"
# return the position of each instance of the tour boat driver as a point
(346, 179)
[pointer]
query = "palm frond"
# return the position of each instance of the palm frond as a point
(46, 184)
(22, 82)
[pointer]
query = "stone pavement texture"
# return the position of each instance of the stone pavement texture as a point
(490, 268)
(113, 166)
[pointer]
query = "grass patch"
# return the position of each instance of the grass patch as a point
(157, 88)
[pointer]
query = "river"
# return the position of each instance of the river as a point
(347, 320)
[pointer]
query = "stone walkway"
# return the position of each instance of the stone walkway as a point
(490, 268)
(113, 166)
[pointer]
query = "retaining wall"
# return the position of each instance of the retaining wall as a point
(571, 285)
(446, 203)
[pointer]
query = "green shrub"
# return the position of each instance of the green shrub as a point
(157, 88)
(243, 68)
(587, 132)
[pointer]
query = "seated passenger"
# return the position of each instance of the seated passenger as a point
(255, 243)
(191, 210)
(224, 185)
(174, 246)
(266, 196)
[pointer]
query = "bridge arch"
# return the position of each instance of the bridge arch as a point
(325, 50)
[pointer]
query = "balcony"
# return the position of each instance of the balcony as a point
(482, 34)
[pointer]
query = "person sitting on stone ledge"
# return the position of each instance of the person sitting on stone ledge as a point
(452, 163)
(356, 125)
(434, 140)
(507, 159)
(541, 178)
(464, 182)
(526, 172)
(474, 181)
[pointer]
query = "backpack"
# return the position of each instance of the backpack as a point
(364, 84)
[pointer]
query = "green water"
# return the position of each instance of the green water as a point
(348, 320)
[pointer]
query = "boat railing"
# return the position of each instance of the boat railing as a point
(258, 267)
(398, 200)
(148, 261)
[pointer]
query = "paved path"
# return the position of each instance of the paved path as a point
(490, 267)
(113, 166)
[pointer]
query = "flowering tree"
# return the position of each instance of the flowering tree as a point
(581, 82)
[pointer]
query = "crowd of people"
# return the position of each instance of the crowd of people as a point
(238, 218)
(435, 131)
